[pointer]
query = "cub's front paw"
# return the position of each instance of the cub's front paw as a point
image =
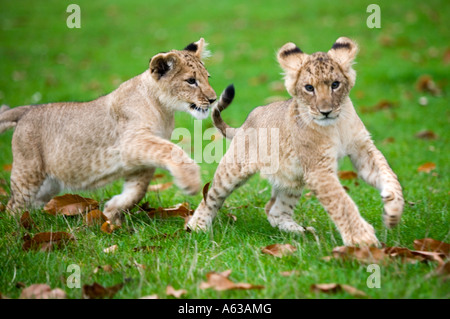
(363, 235)
(197, 225)
(393, 208)
(188, 178)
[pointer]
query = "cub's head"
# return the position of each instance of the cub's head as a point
(183, 80)
(319, 82)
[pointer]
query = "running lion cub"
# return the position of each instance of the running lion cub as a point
(316, 128)
(124, 134)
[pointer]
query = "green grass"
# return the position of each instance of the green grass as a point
(38, 53)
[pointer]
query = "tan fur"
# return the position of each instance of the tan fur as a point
(120, 135)
(310, 145)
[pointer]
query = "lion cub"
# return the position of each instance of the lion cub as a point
(124, 134)
(316, 128)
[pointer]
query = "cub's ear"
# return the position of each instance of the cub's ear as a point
(290, 57)
(162, 63)
(199, 48)
(344, 52)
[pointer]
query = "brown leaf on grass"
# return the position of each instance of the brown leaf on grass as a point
(363, 254)
(221, 282)
(279, 250)
(430, 244)
(426, 135)
(333, 288)
(347, 175)
(159, 187)
(427, 167)
(158, 176)
(95, 217)
(42, 291)
(97, 291)
(179, 210)
(26, 221)
(108, 228)
(7, 167)
(426, 84)
(232, 217)
(170, 291)
(388, 140)
(3, 192)
(2, 207)
(380, 255)
(381, 105)
(70, 204)
(47, 241)
(105, 268)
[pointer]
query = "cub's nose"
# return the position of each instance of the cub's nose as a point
(211, 101)
(326, 113)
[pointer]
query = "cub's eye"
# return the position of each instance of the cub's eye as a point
(191, 81)
(335, 85)
(309, 88)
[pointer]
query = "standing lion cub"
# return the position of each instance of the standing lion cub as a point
(124, 134)
(316, 128)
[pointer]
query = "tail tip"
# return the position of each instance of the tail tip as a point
(228, 94)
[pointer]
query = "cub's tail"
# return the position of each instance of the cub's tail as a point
(9, 117)
(225, 99)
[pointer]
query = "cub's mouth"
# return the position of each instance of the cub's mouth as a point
(199, 113)
(198, 109)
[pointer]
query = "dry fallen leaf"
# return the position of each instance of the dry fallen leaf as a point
(158, 176)
(47, 240)
(232, 216)
(347, 175)
(70, 204)
(7, 167)
(179, 210)
(279, 250)
(426, 84)
(170, 291)
(159, 187)
(95, 217)
(363, 254)
(333, 288)
(379, 255)
(26, 221)
(97, 291)
(105, 268)
(220, 282)
(111, 249)
(427, 167)
(3, 192)
(426, 135)
(430, 244)
(108, 228)
(42, 291)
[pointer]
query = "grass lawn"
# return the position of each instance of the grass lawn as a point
(41, 60)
